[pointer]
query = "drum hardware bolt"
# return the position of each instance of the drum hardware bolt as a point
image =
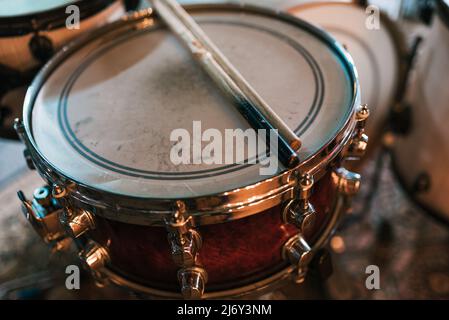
(185, 242)
(43, 196)
(362, 114)
(184, 249)
(305, 186)
(60, 194)
(300, 212)
(348, 182)
(299, 253)
(18, 126)
(358, 146)
(359, 143)
(193, 281)
(94, 258)
(77, 223)
(43, 214)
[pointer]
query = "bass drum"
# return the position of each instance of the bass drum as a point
(208, 230)
(29, 36)
(421, 155)
(379, 54)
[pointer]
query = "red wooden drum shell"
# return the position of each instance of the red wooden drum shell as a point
(234, 253)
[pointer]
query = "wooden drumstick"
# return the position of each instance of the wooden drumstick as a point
(234, 74)
(249, 103)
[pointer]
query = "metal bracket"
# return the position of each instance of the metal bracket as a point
(299, 211)
(297, 250)
(359, 142)
(43, 213)
(185, 243)
(77, 222)
(347, 182)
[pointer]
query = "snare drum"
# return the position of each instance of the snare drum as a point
(208, 231)
(30, 34)
(421, 154)
(379, 54)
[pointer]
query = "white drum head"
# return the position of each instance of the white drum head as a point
(375, 53)
(105, 115)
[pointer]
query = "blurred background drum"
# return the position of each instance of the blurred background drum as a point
(421, 152)
(379, 53)
(31, 34)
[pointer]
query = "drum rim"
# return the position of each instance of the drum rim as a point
(48, 20)
(226, 205)
(398, 38)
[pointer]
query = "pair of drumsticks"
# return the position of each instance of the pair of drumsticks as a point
(250, 104)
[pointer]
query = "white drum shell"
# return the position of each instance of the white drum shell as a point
(377, 53)
(425, 150)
